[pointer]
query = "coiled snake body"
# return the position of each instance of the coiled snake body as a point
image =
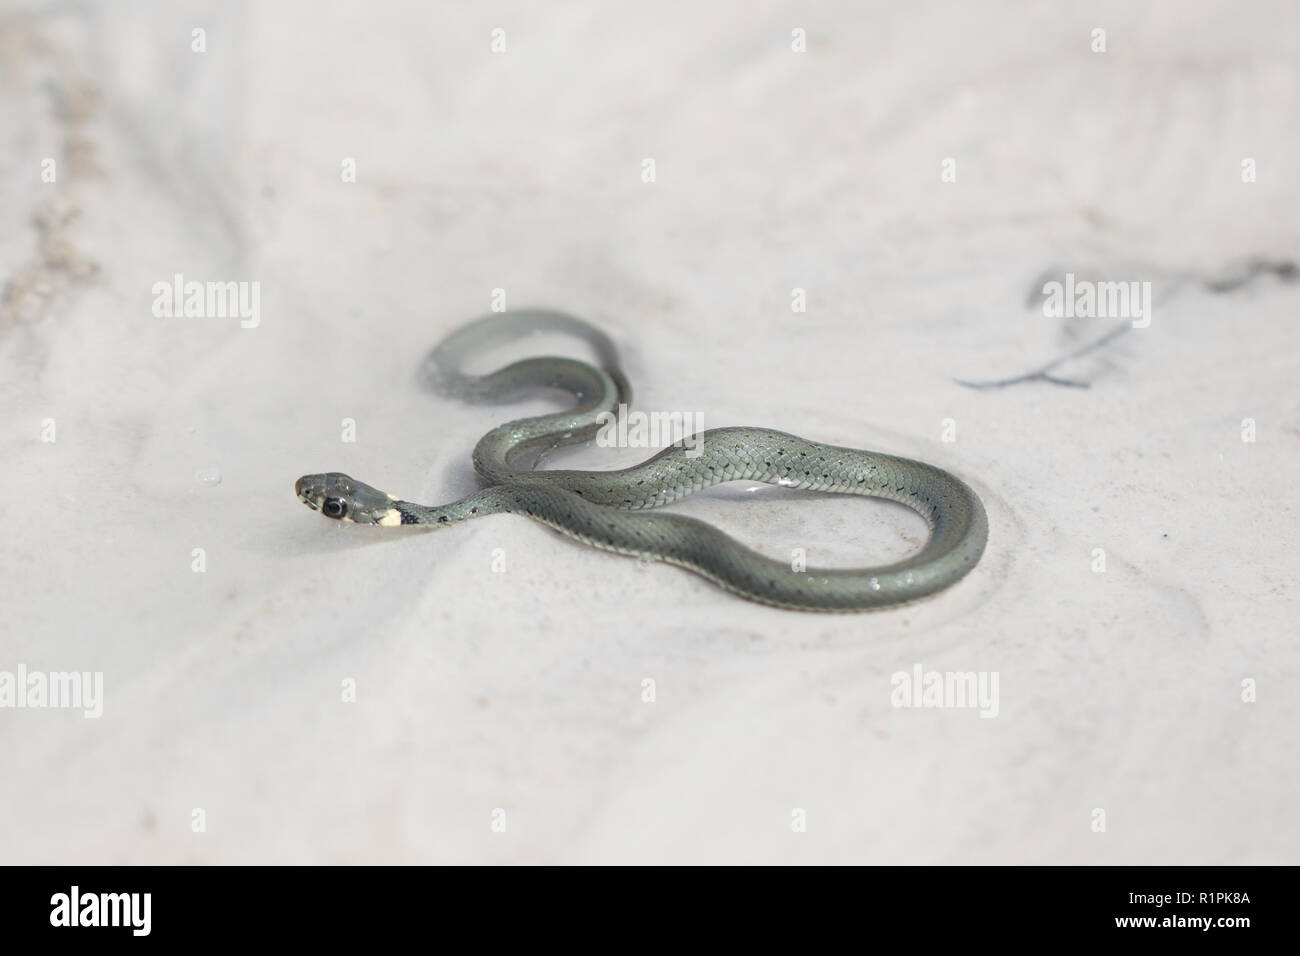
(603, 508)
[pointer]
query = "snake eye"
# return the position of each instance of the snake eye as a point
(334, 507)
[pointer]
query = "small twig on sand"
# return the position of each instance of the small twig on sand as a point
(1044, 374)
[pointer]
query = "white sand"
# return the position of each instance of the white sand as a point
(522, 690)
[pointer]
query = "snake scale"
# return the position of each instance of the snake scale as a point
(605, 509)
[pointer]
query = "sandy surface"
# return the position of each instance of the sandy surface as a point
(1138, 599)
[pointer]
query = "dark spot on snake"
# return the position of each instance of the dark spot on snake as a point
(442, 519)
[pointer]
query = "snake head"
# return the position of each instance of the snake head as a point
(342, 497)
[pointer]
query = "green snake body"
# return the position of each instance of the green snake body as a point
(605, 509)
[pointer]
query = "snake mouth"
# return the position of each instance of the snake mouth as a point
(308, 493)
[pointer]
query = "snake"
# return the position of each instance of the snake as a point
(618, 510)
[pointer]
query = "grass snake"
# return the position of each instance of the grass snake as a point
(606, 509)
